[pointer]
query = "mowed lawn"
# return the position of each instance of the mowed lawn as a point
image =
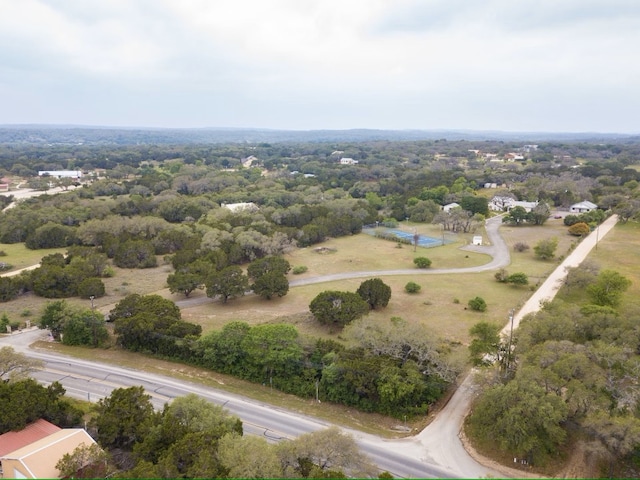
(20, 256)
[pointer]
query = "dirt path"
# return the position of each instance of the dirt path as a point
(547, 291)
(442, 438)
(22, 193)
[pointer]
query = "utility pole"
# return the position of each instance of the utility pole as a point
(511, 315)
(93, 322)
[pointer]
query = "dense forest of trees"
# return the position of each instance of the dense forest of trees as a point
(168, 200)
(141, 204)
(572, 376)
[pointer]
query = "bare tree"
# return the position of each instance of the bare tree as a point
(16, 366)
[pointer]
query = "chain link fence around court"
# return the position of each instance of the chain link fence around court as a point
(407, 238)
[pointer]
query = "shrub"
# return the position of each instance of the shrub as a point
(335, 308)
(393, 237)
(412, 287)
(571, 220)
(518, 278)
(375, 292)
(300, 269)
(546, 249)
(422, 262)
(477, 304)
(108, 272)
(91, 287)
(521, 247)
(135, 254)
(501, 275)
(50, 235)
(4, 323)
(9, 289)
(608, 288)
(579, 229)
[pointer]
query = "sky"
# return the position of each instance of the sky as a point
(509, 65)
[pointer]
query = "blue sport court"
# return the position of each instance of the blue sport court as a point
(389, 233)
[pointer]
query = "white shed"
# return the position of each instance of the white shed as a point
(583, 207)
(450, 206)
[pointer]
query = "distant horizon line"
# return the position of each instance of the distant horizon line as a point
(351, 129)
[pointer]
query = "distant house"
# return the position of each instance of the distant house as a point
(239, 207)
(501, 203)
(34, 451)
(246, 162)
(75, 174)
(504, 204)
(512, 157)
(528, 206)
(348, 161)
(450, 206)
(582, 207)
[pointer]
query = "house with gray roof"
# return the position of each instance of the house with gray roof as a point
(583, 207)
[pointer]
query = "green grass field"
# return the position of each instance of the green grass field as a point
(20, 256)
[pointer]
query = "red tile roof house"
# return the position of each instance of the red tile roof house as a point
(34, 451)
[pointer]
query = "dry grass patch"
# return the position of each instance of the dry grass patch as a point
(619, 250)
(441, 303)
(364, 252)
(531, 235)
(128, 281)
(124, 282)
(435, 306)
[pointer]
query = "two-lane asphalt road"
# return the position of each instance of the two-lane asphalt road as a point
(436, 452)
(93, 381)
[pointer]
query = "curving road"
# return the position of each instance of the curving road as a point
(435, 452)
(93, 381)
(497, 250)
